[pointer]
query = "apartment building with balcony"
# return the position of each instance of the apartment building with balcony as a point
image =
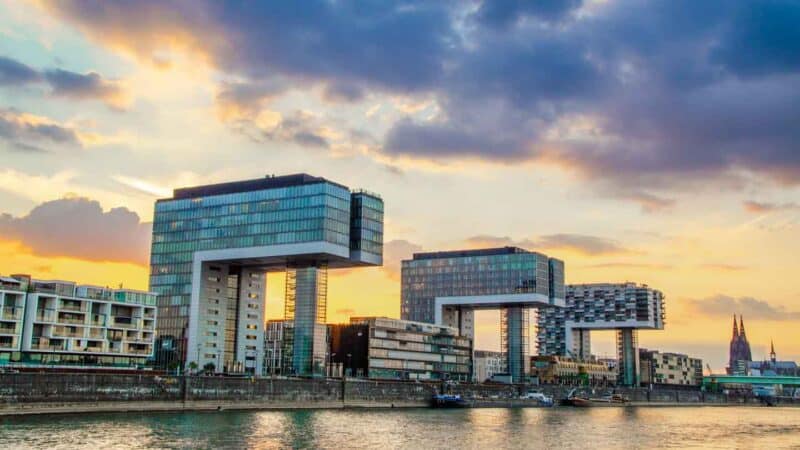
(54, 323)
(12, 307)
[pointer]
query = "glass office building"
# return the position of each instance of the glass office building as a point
(213, 244)
(446, 288)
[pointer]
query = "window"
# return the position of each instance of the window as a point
(251, 337)
(251, 326)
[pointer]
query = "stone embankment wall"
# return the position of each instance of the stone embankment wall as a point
(50, 392)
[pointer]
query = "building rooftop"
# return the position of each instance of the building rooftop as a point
(258, 184)
(468, 253)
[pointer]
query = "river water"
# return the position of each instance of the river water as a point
(644, 427)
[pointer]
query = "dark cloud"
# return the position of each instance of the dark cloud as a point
(581, 243)
(246, 99)
(83, 86)
(24, 132)
(501, 13)
(14, 73)
(750, 308)
(343, 92)
(63, 83)
(79, 228)
(645, 97)
(767, 207)
(300, 128)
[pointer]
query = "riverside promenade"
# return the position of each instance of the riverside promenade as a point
(45, 393)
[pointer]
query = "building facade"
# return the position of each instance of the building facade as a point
(568, 371)
(485, 364)
(393, 349)
(213, 244)
(447, 287)
(624, 307)
(669, 368)
(62, 324)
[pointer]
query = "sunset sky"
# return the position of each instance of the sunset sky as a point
(656, 142)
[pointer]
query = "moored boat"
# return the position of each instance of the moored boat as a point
(448, 401)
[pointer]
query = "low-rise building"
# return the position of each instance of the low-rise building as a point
(485, 364)
(53, 323)
(278, 345)
(384, 348)
(568, 371)
(670, 368)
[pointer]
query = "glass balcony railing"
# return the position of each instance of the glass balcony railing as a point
(11, 313)
(8, 344)
(45, 315)
(7, 330)
(76, 307)
(71, 320)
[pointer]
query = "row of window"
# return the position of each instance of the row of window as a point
(248, 241)
(254, 196)
(167, 224)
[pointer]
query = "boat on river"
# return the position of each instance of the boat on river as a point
(448, 401)
(584, 401)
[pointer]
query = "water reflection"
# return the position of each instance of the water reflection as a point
(415, 429)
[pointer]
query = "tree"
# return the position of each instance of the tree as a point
(209, 368)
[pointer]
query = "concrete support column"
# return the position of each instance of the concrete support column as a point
(628, 356)
(306, 305)
(514, 325)
(581, 344)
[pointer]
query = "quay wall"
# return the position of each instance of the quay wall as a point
(30, 393)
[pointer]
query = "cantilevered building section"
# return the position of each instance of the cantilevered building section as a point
(446, 287)
(212, 246)
(624, 307)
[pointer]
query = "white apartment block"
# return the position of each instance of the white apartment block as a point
(62, 324)
(230, 327)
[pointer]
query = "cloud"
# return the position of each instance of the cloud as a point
(748, 307)
(64, 83)
(14, 73)
(346, 311)
(628, 265)
(86, 87)
(394, 252)
(724, 267)
(766, 207)
(343, 92)
(26, 132)
(245, 100)
(500, 14)
(644, 99)
(78, 228)
(579, 243)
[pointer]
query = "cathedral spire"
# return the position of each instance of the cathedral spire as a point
(741, 327)
(772, 355)
(735, 329)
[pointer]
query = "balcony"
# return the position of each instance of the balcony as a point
(98, 320)
(5, 329)
(64, 332)
(45, 344)
(124, 323)
(139, 351)
(11, 313)
(8, 344)
(73, 306)
(71, 320)
(45, 315)
(95, 333)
